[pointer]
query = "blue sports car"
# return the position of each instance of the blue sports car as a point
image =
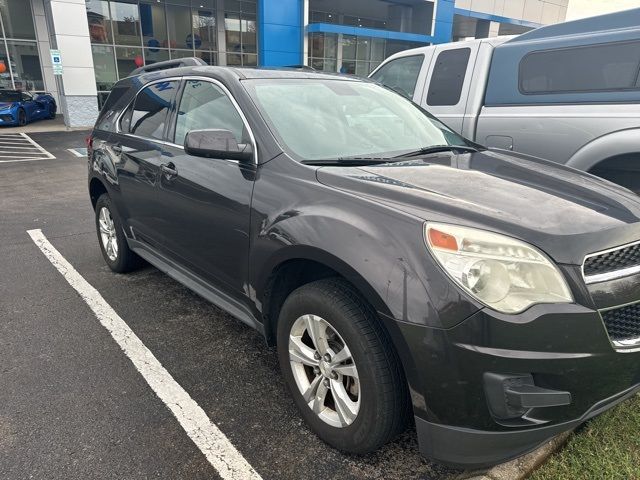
(20, 108)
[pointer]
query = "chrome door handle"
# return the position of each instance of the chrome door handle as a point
(169, 169)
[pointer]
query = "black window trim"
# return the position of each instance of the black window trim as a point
(170, 127)
(578, 47)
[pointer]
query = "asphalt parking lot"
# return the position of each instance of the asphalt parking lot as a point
(72, 404)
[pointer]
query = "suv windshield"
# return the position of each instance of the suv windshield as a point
(9, 96)
(325, 119)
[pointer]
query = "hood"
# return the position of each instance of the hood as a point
(565, 212)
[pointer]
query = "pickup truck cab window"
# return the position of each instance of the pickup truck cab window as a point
(448, 77)
(400, 74)
(328, 119)
(204, 103)
(150, 109)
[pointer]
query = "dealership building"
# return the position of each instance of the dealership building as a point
(100, 41)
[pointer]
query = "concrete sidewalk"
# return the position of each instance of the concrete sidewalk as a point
(54, 125)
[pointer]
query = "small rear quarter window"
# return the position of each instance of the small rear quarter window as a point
(447, 80)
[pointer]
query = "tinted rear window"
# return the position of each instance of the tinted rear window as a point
(108, 113)
(594, 68)
(151, 108)
(448, 77)
(400, 74)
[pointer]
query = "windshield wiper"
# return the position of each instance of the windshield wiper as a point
(436, 149)
(351, 161)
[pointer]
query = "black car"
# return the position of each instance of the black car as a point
(400, 270)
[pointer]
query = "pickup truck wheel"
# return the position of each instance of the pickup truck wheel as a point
(340, 367)
(113, 244)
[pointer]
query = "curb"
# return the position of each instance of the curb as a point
(521, 467)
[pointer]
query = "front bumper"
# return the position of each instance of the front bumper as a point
(563, 348)
(8, 119)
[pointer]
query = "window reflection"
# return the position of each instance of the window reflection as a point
(99, 21)
(126, 23)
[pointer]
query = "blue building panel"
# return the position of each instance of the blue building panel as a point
(443, 28)
(369, 32)
(280, 32)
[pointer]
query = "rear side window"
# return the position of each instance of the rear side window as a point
(594, 68)
(151, 108)
(205, 105)
(400, 74)
(108, 112)
(448, 77)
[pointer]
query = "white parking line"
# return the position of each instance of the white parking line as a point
(216, 447)
(19, 147)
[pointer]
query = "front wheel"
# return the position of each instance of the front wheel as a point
(340, 367)
(22, 118)
(113, 244)
(52, 111)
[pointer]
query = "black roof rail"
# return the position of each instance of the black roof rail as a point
(178, 62)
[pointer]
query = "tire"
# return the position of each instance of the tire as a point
(119, 257)
(22, 118)
(52, 111)
(382, 394)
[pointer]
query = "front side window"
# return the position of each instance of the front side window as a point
(447, 80)
(150, 110)
(205, 105)
(592, 68)
(317, 119)
(400, 74)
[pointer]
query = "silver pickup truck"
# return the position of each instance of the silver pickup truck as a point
(568, 92)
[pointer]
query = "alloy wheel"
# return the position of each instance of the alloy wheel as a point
(324, 371)
(108, 234)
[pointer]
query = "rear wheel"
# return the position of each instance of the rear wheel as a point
(113, 244)
(22, 118)
(340, 367)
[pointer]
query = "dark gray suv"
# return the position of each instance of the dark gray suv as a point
(401, 271)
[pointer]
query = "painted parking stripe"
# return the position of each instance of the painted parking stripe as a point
(19, 147)
(216, 447)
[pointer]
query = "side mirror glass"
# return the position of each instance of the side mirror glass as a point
(217, 143)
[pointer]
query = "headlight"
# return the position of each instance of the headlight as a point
(503, 273)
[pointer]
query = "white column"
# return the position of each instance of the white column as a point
(69, 33)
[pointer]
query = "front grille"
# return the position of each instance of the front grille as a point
(612, 261)
(6, 118)
(622, 323)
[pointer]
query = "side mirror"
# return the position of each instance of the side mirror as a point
(217, 143)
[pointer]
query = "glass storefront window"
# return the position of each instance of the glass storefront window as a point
(349, 47)
(99, 21)
(248, 34)
(25, 64)
(105, 67)
(180, 33)
(153, 25)
(125, 23)
(204, 28)
(17, 19)
(5, 77)
(128, 59)
(363, 48)
(377, 49)
(154, 55)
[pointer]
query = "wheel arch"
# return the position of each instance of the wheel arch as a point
(601, 149)
(96, 188)
(297, 266)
